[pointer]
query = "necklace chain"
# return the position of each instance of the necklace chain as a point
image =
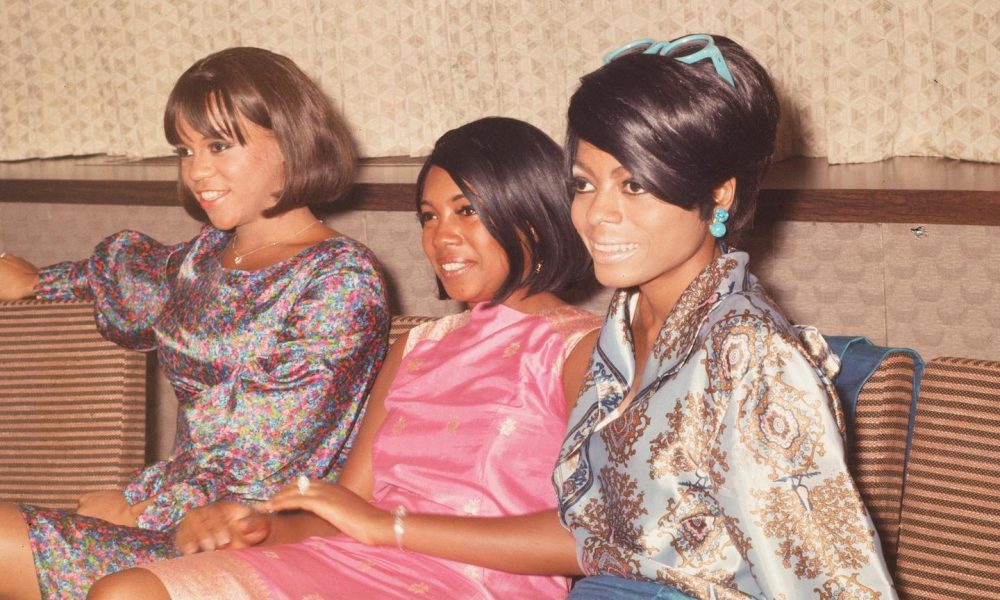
(238, 258)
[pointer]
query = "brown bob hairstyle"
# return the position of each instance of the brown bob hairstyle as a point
(272, 92)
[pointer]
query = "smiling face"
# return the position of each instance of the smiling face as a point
(233, 184)
(466, 258)
(635, 238)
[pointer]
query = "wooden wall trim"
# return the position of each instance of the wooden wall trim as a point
(937, 207)
(902, 190)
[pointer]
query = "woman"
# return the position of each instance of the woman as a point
(446, 493)
(268, 324)
(705, 455)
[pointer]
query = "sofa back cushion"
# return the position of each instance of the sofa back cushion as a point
(878, 451)
(949, 534)
(72, 405)
(401, 324)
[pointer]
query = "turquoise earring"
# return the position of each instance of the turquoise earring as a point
(718, 226)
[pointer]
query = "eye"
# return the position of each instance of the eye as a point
(182, 152)
(466, 211)
(219, 146)
(633, 187)
(582, 186)
(424, 216)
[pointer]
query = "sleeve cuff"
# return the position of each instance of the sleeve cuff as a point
(64, 281)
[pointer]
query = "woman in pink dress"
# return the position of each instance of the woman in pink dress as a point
(446, 493)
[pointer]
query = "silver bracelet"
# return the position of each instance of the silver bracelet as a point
(397, 525)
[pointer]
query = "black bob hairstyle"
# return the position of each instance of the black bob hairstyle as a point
(270, 91)
(513, 174)
(681, 130)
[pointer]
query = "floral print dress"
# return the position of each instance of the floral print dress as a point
(724, 476)
(270, 369)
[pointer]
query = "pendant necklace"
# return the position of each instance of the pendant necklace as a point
(238, 258)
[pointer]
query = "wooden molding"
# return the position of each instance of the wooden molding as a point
(900, 190)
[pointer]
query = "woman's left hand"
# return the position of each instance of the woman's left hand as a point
(350, 513)
(111, 506)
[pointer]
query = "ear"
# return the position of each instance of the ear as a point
(725, 194)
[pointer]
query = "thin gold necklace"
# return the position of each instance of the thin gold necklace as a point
(238, 258)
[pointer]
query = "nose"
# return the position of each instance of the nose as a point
(200, 166)
(604, 208)
(447, 232)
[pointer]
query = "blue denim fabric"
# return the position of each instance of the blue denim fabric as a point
(608, 587)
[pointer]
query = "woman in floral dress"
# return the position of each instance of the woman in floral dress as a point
(269, 325)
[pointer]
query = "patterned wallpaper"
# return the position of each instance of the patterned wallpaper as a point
(860, 80)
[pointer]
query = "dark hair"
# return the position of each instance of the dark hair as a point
(513, 175)
(270, 91)
(680, 129)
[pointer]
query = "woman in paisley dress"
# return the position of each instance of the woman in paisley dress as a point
(705, 455)
(269, 325)
(447, 492)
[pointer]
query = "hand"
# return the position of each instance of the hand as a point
(339, 506)
(111, 506)
(221, 525)
(18, 277)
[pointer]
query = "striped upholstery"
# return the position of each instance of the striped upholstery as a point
(949, 536)
(401, 325)
(72, 405)
(879, 452)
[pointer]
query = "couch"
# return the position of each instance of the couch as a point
(72, 405)
(927, 464)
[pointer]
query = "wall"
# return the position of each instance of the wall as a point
(859, 80)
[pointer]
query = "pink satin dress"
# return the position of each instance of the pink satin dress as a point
(475, 419)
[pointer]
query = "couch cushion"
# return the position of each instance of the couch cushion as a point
(949, 535)
(878, 454)
(72, 405)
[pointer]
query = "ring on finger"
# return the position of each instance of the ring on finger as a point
(302, 482)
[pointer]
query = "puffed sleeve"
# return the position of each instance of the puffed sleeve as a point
(787, 498)
(128, 278)
(290, 410)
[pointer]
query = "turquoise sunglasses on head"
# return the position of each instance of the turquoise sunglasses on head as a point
(709, 50)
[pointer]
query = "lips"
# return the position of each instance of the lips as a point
(453, 267)
(210, 197)
(612, 252)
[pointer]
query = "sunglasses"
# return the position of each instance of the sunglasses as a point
(688, 49)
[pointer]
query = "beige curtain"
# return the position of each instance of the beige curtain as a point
(860, 80)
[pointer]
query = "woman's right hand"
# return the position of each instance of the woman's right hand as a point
(221, 525)
(18, 277)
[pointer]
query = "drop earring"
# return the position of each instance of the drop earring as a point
(718, 226)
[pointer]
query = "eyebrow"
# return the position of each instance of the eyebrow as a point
(579, 165)
(457, 196)
(617, 171)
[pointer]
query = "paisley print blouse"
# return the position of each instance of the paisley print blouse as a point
(725, 475)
